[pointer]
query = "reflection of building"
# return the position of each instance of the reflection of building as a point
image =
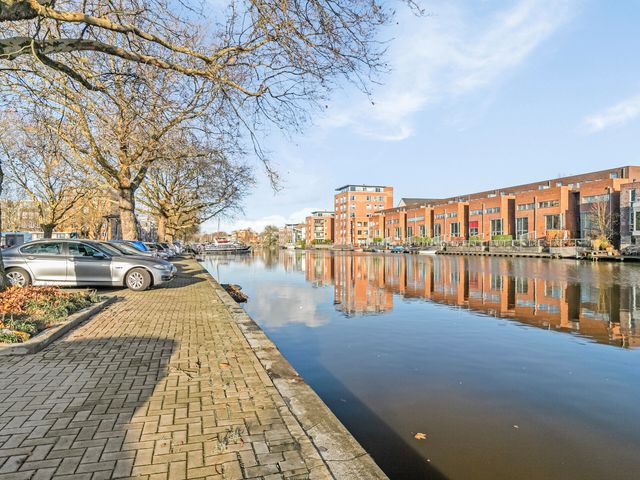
(354, 204)
(319, 227)
(536, 292)
(319, 269)
(359, 284)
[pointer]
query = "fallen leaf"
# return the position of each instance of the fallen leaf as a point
(224, 365)
(420, 436)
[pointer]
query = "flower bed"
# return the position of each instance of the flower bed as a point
(27, 311)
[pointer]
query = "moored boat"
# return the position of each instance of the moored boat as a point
(224, 245)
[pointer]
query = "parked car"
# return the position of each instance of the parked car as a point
(157, 249)
(126, 248)
(173, 251)
(137, 244)
(82, 262)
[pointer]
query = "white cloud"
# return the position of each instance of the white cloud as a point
(616, 115)
(453, 52)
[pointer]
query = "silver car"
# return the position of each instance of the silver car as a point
(82, 262)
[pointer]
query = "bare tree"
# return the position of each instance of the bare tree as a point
(38, 164)
(602, 222)
(197, 184)
(270, 236)
(116, 136)
(252, 46)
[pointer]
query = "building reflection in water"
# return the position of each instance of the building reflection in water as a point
(597, 301)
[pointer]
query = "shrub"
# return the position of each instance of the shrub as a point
(502, 237)
(27, 311)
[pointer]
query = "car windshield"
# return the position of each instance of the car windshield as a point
(105, 247)
(129, 249)
(113, 249)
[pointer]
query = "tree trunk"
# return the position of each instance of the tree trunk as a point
(162, 227)
(127, 207)
(170, 235)
(47, 229)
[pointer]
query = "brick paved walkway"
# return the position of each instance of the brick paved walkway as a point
(160, 385)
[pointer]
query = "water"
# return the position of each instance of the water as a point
(513, 368)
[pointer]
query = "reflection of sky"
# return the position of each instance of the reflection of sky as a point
(285, 299)
(280, 304)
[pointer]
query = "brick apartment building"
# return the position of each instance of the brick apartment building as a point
(491, 216)
(353, 207)
(630, 214)
(561, 207)
(320, 227)
(450, 221)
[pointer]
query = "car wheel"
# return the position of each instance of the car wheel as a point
(18, 277)
(138, 279)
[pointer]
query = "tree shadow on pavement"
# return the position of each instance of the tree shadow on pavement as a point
(83, 406)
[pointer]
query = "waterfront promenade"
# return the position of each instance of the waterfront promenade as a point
(176, 382)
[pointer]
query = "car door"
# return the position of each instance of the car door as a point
(87, 265)
(46, 261)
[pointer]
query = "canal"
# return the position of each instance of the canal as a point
(511, 368)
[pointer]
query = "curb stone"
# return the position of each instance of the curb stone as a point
(45, 338)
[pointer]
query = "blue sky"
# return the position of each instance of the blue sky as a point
(482, 94)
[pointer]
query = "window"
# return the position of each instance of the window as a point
(397, 229)
(613, 175)
(552, 222)
(522, 226)
(522, 285)
(526, 206)
(473, 228)
(440, 215)
(492, 210)
(476, 212)
(636, 224)
(44, 248)
(409, 232)
(496, 227)
(452, 214)
(423, 230)
(596, 198)
(495, 282)
(454, 229)
(548, 204)
(632, 195)
(437, 230)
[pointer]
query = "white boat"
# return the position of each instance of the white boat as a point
(224, 245)
(428, 251)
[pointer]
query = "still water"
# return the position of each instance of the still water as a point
(513, 368)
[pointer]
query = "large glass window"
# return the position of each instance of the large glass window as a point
(423, 230)
(409, 232)
(454, 229)
(44, 248)
(552, 222)
(496, 227)
(522, 227)
(636, 223)
(437, 230)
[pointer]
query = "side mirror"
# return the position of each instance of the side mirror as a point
(99, 255)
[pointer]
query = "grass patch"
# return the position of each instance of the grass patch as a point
(27, 311)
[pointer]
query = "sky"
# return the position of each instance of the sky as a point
(481, 95)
